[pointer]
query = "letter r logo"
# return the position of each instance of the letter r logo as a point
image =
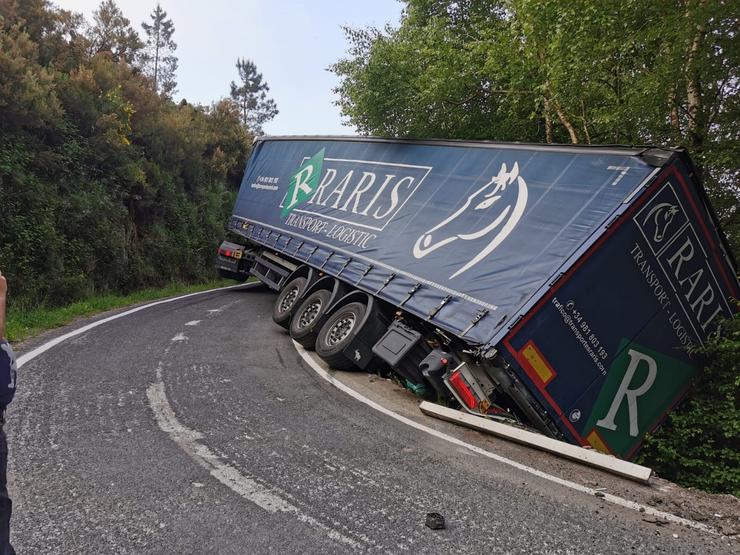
(304, 182)
(633, 396)
(301, 185)
(624, 390)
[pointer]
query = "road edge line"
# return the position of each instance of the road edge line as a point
(185, 438)
(41, 349)
(246, 487)
(610, 498)
(646, 509)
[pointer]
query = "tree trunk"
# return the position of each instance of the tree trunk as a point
(585, 125)
(566, 122)
(547, 103)
(673, 105)
(156, 62)
(548, 121)
(693, 87)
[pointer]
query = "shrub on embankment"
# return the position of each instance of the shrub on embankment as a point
(106, 186)
(699, 443)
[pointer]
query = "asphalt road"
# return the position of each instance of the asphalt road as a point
(195, 427)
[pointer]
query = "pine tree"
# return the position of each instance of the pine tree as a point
(251, 97)
(112, 32)
(159, 60)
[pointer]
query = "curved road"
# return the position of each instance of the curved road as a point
(195, 426)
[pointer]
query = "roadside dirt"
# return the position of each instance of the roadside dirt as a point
(721, 512)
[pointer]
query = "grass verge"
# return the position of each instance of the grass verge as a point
(22, 324)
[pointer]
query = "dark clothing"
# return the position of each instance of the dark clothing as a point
(8, 371)
(6, 505)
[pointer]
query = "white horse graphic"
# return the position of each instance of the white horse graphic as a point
(486, 199)
(663, 215)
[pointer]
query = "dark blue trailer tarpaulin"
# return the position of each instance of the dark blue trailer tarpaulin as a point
(485, 225)
(593, 271)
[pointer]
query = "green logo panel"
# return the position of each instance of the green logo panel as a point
(304, 183)
(640, 386)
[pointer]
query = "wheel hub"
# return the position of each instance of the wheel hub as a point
(310, 313)
(341, 329)
(289, 299)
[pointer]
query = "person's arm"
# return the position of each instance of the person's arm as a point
(3, 294)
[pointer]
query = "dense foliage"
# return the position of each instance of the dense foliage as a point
(699, 444)
(632, 72)
(663, 72)
(105, 185)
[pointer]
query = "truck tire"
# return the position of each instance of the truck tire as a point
(306, 315)
(336, 333)
(286, 300)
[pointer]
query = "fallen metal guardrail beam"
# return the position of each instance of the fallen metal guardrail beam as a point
(560, 448)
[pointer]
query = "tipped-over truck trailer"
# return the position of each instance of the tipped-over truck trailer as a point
(565, 287)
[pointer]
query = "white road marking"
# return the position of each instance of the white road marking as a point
(184, 436)
(179, 337)
(616, 500)
(221, 308)
(74, 333)
(325, 375)
(187, 439)
(193, 323)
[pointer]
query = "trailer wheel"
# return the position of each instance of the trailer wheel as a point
(285, 301)
(306, 316)
(337, 333)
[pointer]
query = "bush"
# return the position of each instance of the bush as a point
(699, 443)
(105, 185)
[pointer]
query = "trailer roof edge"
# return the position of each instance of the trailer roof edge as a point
(630, 150)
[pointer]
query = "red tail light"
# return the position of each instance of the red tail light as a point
(463, 390)
(229, 253)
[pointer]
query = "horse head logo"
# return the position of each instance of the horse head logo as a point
(485, 205)
(662, 215)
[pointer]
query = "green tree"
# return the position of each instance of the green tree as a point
(27, 92)
(112, 32)
(57, 33)
(573, 71)
(159, 58)
(436, 76)
(105, 184)
(251, 96)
